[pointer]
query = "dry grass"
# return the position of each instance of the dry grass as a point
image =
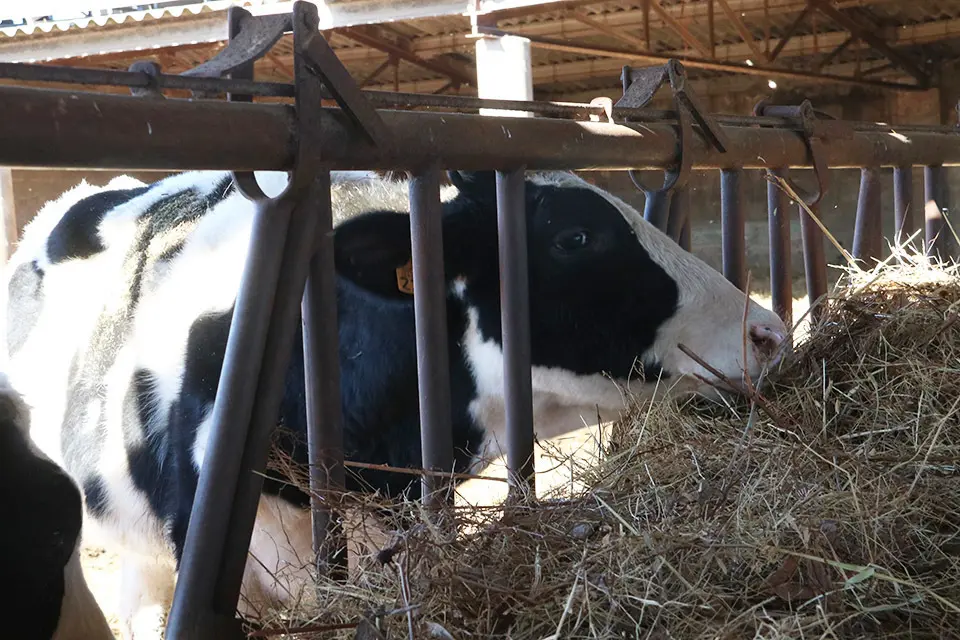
(828, 510)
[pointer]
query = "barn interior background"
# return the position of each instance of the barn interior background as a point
(851, 58)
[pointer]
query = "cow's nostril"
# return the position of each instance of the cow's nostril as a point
(766, 339)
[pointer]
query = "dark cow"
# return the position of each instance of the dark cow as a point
(47, 596)
(126, 294)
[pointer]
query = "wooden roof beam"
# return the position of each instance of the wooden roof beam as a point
(789, 33)
(741, 29)
(619, 34)
(369, 36)
(679, 28)
(877, 43)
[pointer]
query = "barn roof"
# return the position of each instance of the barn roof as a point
(579, 47)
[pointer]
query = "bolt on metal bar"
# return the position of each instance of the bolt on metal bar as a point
(679, 213)
(903, 202)
(515, 328)
(321, 359)
(429, 297)
(781, 284)
(232, 412)
(868, 232)
(814, 260)
(733, 225)
(937, 231)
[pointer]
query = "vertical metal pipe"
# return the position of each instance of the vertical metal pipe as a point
(868, 232)
(515, 323)
(902, 202)
(656, 209)
(781, 284)
(814, 260)
(203, 553)
(732, 227)
(429, 298)
(297, 251)
(934, 208)
(321, 359)
(685, 235)
(679, 210)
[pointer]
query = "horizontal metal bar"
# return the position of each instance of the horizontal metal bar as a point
(396, 100)
(65, 129)
(110, 77)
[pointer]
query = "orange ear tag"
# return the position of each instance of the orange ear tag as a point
(405, 277)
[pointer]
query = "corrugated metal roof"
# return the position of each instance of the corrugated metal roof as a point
(119, 18)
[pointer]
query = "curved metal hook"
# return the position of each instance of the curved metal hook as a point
(813, 137)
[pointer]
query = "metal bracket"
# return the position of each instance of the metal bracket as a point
(639, 87)
(815, 131)
(255, 35)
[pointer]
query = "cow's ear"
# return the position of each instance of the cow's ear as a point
(373, 251)
(479, 186)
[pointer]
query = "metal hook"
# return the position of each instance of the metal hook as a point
(639, 87)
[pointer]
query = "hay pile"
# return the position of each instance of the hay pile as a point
(832, 510)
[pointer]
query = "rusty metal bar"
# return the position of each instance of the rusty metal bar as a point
(814, 260)
(868, 230)
(781, 284)
(246, 87)
(62, 129)
(515, 323)
(937, 231)
(232, 416)
(903, 202)
(321, 360)
(429, 297)
(733, 223)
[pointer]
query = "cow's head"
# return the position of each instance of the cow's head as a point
(610, 295)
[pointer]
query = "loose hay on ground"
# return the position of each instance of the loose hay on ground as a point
(836, 516)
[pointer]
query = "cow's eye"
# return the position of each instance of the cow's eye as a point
(572, 240)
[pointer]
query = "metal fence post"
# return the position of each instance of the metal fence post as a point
(433, 366)
(732, 224)
(321, 360)
(781, 283)
(515, 328)
(867, 233)
(903, 202)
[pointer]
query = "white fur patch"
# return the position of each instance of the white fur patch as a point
(80, 616)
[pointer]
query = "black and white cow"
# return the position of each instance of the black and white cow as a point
(47, 596)
(126, 292)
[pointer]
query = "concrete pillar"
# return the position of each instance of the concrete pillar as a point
(504, 71)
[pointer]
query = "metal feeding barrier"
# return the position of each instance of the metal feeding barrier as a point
(290, 266)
